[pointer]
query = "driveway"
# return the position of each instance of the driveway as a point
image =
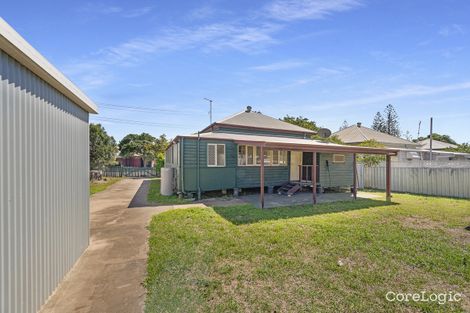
(108, 276)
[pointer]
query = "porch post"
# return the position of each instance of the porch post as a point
(388, 178)
(314, 178)
(261, 177)
(354, 176)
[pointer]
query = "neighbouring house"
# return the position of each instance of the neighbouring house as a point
(252, 150)
(135, 160)
(44, 189)
(408, 150)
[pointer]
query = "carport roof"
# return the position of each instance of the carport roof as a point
(277, 142)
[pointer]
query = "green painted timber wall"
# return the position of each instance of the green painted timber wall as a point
(233, 176)
(338, 174)
(228, 177)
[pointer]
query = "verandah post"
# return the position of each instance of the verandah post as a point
(388, 178)
(261, 173)
(354, 176)
(314, 178)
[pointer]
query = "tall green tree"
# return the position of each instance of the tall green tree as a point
(103, 148)
(301, 121)
(391, 121)
(379, 123)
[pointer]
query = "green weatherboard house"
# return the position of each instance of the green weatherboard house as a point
(227, 155)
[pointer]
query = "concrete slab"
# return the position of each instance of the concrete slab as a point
(108, 276)
(301, 198)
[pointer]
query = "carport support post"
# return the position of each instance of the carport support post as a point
(354, 177)
(314, 178)
(388, 177)
(261, 177)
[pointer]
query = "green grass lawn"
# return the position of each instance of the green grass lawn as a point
(340, 257)
(98, 186)
(154, 195)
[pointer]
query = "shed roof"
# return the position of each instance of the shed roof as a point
(17, 47)
(290, 143)
(358, 133)
(252, 119)
(436, 144)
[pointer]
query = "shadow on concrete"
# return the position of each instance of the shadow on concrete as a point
(248, 214)
(140, 198)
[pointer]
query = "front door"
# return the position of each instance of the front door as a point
(295, 162)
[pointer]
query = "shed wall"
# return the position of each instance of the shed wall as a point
(44, 195)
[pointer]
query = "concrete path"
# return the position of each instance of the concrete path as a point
(108, 276)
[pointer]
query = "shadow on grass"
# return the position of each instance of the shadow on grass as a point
(248, 214)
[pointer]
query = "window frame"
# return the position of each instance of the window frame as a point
(282, 155)
(216, 155)
(335, 161)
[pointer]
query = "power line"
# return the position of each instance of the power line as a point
(135, 122)
(146, 109)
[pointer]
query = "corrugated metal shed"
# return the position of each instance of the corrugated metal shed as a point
(44, 195)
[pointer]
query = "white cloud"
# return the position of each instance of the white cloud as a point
(96, 69)
(289, 10)
(454, 29)
(201, 13)
(277, 66)
(103, 9)
(404, 92)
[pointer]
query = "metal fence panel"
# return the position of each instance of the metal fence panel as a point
(44, 196)
(435, 181)
(121, 171)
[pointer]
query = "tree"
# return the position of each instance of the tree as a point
(370, 159)
(379, 123)
(301, 121)
(145, 145)
(465, 148)
(392, 126)
(332, 139)
(344, 125)
(103, 148)
(439, 137)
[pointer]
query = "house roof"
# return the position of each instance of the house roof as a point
(358, 133)
(436, 144)
(289, 143)
(252, 119)
(18, 48)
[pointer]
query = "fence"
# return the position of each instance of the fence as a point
(121, 171)
(435, 181)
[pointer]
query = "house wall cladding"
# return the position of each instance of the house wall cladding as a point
(43, 187)
(228, 177)
(336, 174)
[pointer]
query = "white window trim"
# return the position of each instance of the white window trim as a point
(216, 155)
(255, 155)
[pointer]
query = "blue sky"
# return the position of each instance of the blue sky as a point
(328, 60)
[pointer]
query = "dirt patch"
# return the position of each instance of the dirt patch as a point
(421, 223)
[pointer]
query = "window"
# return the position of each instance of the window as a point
(242, 155)
(251, 155)
(339, 158)
(215, 155)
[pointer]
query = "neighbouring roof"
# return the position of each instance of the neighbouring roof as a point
(252, 119)
(17, 47)
(436, 144)
(358, 133)
(289, 143)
